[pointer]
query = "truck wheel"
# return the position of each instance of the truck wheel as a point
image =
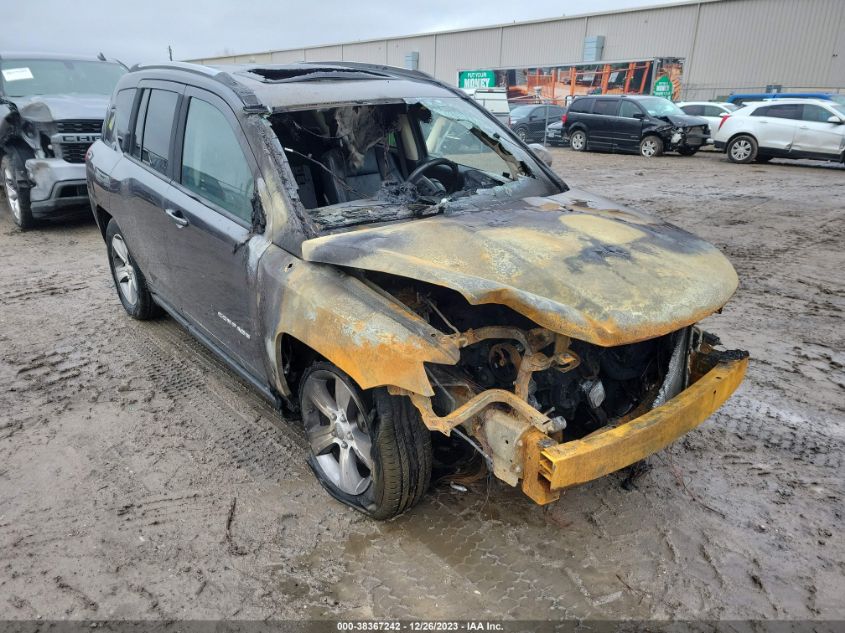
(369, 450)
(578, 141)
(742, 149)
(17, 196)
(685, 150)
(651, 146)
(128, 279)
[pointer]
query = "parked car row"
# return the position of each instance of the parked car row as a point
(348, 256)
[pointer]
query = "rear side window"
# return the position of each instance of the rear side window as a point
(782, 111)
(606, 106)
(158, 129)
(213, 163)
(711, 110)
(815, 113)
(695, 110)
(139, 125)
(581, 105)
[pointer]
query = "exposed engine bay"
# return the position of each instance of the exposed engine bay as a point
(577, 386)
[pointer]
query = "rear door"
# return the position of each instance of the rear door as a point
(147, 170)
(209, 212)
(602, 123)
(776, 125)
(629, 125)
(815, 135)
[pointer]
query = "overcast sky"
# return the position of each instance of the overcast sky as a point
(140, 30)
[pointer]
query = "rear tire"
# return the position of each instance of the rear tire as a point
(12, 170)
(129, 281)
(651, 146)
(742, 149)
(578, 141)
(381, 436)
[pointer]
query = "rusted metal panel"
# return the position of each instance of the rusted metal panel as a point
(606, 451)
(574, 264)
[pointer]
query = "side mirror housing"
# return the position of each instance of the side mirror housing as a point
(542, 153)
(835, 120)
(639, 115)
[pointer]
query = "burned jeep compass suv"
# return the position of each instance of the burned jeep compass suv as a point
(51, 111)
(368, 246)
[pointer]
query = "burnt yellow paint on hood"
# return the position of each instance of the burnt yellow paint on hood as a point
(573, 263)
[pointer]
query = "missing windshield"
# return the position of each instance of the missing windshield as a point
(385, 161)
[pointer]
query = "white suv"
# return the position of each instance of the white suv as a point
(785, 128)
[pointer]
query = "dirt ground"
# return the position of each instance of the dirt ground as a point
(125, 448)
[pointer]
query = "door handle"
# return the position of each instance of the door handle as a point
(177, 217)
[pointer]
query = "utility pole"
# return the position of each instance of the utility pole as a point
(170, 52)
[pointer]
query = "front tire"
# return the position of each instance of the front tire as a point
(578, 141)
(129, 281)
(17, 196)
(742, 149)
(522, 134)
(369, 450)
(651, 146)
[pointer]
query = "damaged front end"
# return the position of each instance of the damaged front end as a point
(552, 412)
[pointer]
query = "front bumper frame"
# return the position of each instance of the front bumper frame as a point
(550, 467)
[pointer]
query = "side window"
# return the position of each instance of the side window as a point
(628, 109)
(581, 105)
(695, 110)
(158, 129)
(213, 163)
(138, 134)
(816, 113)
(108, 127)
(122, 113)
(786, 111)
(607, 107)
(711, 110)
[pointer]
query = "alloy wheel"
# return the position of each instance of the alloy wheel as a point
(741, 149)
(649, 148)
(124, 272)
(577, 141)
(335, 425)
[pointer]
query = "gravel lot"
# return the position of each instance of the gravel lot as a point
(124, 447)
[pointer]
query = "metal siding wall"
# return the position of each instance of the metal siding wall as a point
(556, 42)
(398, 48)
(288, 57)
(324, 54)
(665, 32)
(367, 52)
(256, 58)
(751, 43)
(467, 50)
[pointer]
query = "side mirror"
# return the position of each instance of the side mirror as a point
(835, 120)
(542, 153)
(639, 115)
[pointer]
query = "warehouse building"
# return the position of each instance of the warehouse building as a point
(693, 50)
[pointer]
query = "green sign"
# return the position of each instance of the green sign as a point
(663, 87)
(476, 79)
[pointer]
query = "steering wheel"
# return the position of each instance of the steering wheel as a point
(417, 176)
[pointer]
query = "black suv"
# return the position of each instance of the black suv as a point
(647, 125)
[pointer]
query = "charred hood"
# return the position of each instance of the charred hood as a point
(573, 263)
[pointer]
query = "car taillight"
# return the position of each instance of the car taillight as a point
(724, 118)
(563, 118)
